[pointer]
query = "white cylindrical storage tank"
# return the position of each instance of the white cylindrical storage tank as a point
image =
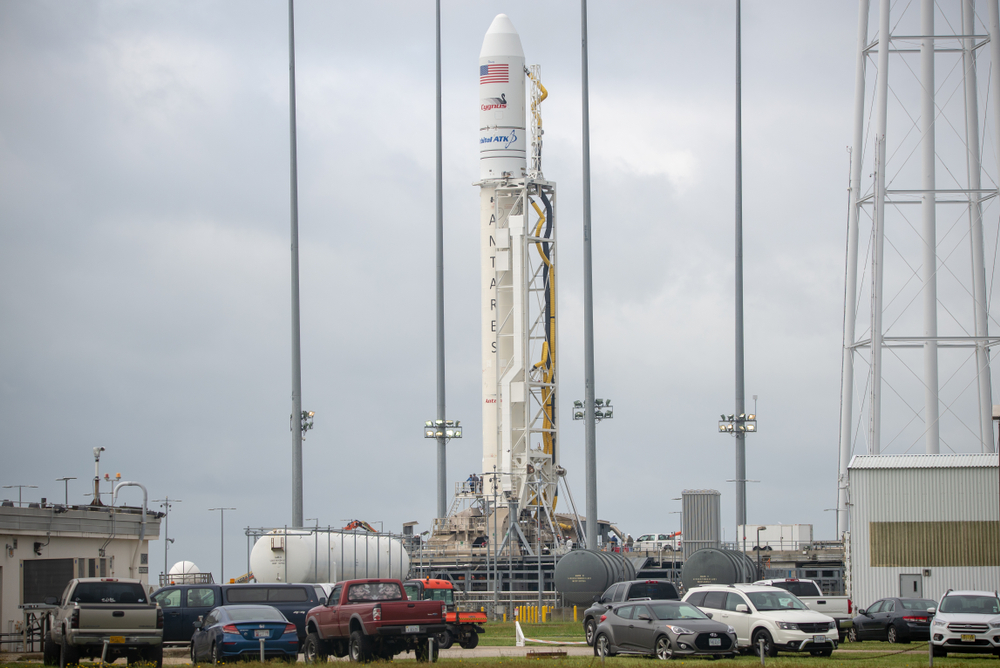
(184, 568)
(327, 556)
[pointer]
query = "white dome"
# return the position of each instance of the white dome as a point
(184, 568)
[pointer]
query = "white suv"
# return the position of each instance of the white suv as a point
(966, 621)
(770, 614)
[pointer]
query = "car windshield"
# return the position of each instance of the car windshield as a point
(109, 592)
(779, 599)
(255, 613)
(677, 610)
(917, 603)
(971, 604)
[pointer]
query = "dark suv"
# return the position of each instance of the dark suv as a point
(183, 604)
(625, 591)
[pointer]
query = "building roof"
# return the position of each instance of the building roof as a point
(964, 460)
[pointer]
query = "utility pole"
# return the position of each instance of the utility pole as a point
(222, 542)
(165, 504)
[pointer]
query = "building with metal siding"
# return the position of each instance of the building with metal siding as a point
(923, 524)
(700, 520)
(46, 545)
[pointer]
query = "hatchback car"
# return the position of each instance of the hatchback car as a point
(664, 629)
(893, 619)
(236, 631)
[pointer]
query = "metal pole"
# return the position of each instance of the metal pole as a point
(741, 453)
(442, 472)
(928, 209)
(590, 447)
(976, 229)
(994, 30)
(296, 354)
(851, 274)
(881, 110)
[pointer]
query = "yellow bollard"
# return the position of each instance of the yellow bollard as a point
(505, 616)
(545, 613)
(574, 613)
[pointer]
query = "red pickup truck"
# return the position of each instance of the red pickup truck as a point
(372, 619)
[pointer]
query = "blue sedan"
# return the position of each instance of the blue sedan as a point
(236, 631)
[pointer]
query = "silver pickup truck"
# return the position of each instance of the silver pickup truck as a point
(807, 591)
(104, 618)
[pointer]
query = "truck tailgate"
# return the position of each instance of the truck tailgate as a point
(128, 618)
(411, 612)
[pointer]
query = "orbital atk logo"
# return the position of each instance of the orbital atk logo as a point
(489, 103)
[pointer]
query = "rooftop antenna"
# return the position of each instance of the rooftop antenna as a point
(66, 482)
(97, 476)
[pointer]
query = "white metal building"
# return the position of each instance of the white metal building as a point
(923, 524)
(46, 545)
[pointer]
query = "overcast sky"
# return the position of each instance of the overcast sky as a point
(144, 252)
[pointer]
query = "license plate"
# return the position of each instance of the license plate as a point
(715, 642)
(265, 633)
(412, 629)
(968, 637)
(117, 640)
(819, 639)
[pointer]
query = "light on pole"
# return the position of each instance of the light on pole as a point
(19, 488)
(602, 410)
(65, 481)
(222, 541)
(165, 504)
(442, 431)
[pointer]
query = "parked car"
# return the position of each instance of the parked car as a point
(768, 614)
(664, 629)
(894, 620)
(235, 632)
(109, 617)
(808, 591)
(625, 591)
(184, 604)
(656, 542)
(966, 621)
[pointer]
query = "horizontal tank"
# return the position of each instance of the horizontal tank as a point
(710, 566)
(583, 574)
(327, 556)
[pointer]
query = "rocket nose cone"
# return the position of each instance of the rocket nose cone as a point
(501, 39)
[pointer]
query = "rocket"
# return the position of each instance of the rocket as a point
(502, 155)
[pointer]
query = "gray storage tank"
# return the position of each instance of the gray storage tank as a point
(583, 574)
(712, 566)
(701, 520)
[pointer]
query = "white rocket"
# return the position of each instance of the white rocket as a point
(502, 154)
(517, 255)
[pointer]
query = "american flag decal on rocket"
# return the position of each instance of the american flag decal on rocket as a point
(492, 74)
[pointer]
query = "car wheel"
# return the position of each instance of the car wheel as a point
(890, 634)
(470, 642)
(589, 629)
(313, 650)
(663, 650)
(215, 654)
(360, 648)
(769, 648)
(194, 656)
(425, 653)
(602, 646)
(68, 655)
(852, 635)
(50, 652)
(445, 640)
(153, 655)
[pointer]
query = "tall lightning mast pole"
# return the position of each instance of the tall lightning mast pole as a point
(588, 301)
(442, 468)
(296, 355)
(741, 443)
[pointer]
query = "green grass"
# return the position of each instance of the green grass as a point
(501, 634)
